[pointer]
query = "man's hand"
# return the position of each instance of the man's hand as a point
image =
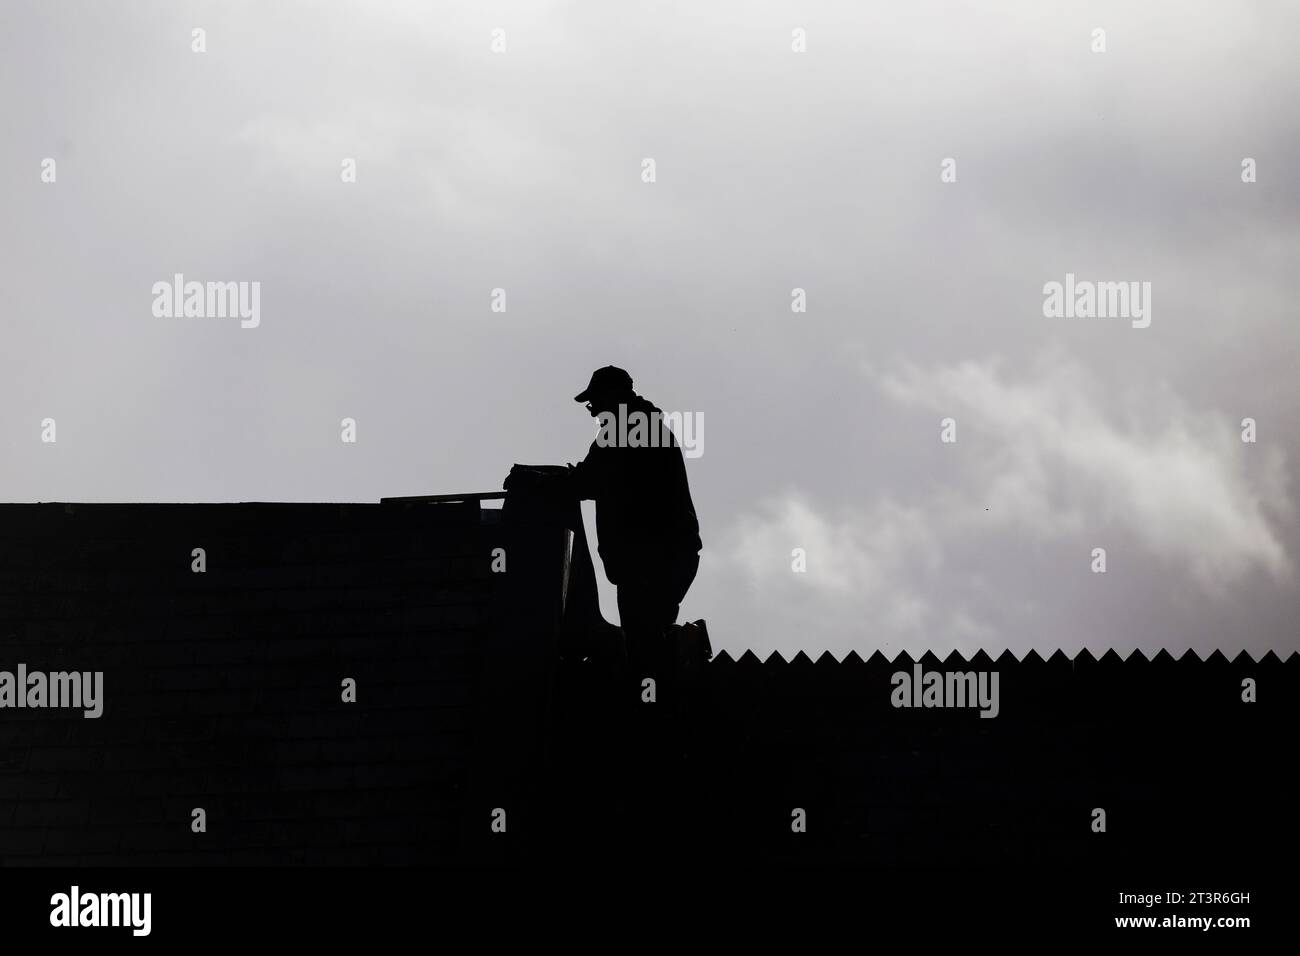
(543, 479)
(521, 477)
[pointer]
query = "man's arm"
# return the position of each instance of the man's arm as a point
(595, 475)
(592, 477)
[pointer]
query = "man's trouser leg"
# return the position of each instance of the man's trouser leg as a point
(647, 607)
(640, 612)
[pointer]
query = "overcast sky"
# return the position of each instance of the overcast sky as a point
(775, 170)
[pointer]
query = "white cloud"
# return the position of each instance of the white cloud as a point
(1061, 464)
(1059, 453)
(859, 565)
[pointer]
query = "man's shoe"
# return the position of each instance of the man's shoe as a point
(691, 647)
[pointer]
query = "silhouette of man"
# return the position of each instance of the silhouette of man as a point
(647, 533)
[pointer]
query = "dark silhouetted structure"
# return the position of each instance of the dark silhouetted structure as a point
(222, 691)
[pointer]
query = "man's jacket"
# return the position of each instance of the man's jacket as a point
(645, 518)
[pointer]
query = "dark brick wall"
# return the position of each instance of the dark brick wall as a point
(223, 692)
(223, 689)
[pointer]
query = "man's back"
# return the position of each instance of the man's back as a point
(644, 512)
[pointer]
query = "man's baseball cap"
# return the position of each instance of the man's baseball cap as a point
(603, 381)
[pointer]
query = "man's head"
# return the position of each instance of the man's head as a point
(608, 388)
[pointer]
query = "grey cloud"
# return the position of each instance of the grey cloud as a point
(819, 171)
